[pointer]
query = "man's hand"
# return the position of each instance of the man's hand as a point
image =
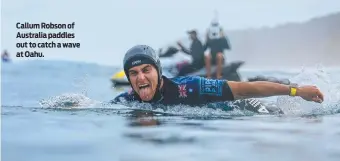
(310, 93)
(244, 90)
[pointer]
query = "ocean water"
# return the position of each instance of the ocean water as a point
(36, 127)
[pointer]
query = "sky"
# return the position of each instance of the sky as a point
(106, 29)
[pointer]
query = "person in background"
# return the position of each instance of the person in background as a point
(217, 42)
(5, 56)
(196, 51)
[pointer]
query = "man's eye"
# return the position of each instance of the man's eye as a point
(133, 73)
(146, 70)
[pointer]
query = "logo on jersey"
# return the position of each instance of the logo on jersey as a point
(136, 62)
(182, 91)
(185, 79)
(211, 87)
(257, 105)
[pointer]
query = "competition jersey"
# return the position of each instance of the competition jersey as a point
(188, 90)
(197, 91)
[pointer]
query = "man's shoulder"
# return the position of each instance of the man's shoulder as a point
(196, 42)
(186, 79)
(182, 90)
(202, 84)
(125, 96)
(181, 84)
(194, 79)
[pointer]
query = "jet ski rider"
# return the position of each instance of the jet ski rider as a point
(143, 70)
(196, 51)
(216, 42)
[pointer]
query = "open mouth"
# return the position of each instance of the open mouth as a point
(144, 91)
(143, 86)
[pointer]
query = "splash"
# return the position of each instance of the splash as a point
(202, 112)
(68, 101)
(328, 85)
(82, 83)
(207, 111)
(71, 100)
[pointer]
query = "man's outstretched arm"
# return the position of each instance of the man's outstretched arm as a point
(182, 48)
(243, 90)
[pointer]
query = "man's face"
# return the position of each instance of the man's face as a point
(144, 79)
(192, 36)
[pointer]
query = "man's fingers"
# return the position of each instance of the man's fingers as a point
(319, 94)
(317, 99)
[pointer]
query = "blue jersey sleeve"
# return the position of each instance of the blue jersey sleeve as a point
(213, 90)
(125, 97)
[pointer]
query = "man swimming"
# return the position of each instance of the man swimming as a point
(143, 70)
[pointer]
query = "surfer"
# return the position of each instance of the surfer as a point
(142, 68)
(196, 51)
(217, 43)
(5, 56)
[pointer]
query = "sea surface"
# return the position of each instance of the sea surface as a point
(38, 125)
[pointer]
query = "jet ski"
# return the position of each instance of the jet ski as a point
(270, 79)
(229, 71)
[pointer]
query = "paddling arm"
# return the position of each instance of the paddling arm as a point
(244, 90)
(266, 89)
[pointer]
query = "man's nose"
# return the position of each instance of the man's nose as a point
(141, 76)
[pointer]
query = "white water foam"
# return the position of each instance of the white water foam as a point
(68, 101)
(327, 84)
